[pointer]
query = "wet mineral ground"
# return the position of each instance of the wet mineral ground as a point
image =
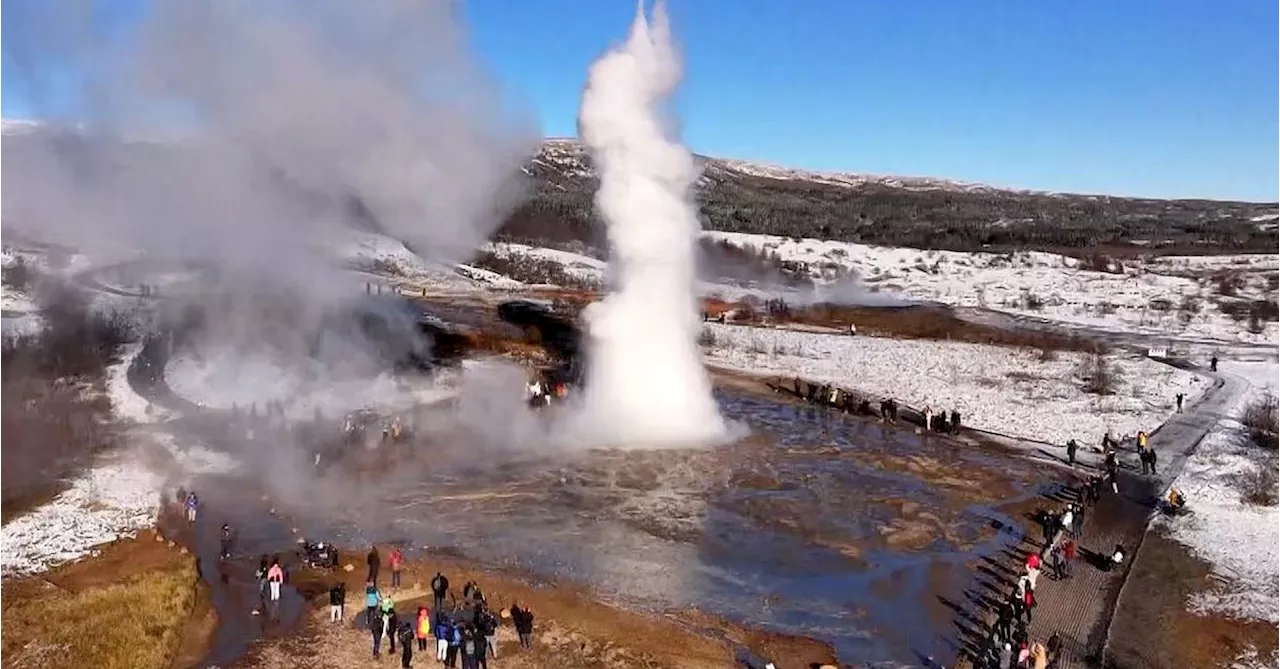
(817, 524)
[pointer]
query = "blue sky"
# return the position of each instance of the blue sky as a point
(1168, 98)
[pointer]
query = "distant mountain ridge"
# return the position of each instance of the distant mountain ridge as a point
(923, 212)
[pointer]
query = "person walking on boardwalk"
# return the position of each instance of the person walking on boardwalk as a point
(1068, 556)
(1056, 562)
(1033, 569)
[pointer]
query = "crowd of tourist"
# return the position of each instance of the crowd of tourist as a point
(460, 631)
(850, 402)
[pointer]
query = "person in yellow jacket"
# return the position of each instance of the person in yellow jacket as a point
(422, 628)
(1142, 440)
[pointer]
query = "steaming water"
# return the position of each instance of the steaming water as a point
(791, 530)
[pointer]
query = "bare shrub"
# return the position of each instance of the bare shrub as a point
(1260, 486)
(1098, 262)
(1099, 376)
(18, 275)
(53, 412)
(1227, 283)
(707, 337)
(1260, 418)
(1033, 301)
(530, 269)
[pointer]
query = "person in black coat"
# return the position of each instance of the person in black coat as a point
(375, 563)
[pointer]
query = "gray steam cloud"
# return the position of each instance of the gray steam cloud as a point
(245, 134)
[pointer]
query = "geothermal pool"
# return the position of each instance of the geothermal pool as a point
(817, 524)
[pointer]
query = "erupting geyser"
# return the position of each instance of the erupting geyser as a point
(646, 384)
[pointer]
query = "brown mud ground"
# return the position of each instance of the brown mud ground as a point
(1152, 628)
(572, 628)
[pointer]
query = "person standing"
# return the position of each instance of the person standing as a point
(275, 578)
(443, 634)
(371, 599)
(337, 601)
(524, 625)
(1180, 398)
(1072, 447)
(955, 422)
(1068, 556)
(396, 560)
(1033, 569)
(375, 562)
(374, 619)
(191, 504)
(422, 628)
(455, 644)
(261, 574)
(406, 645)
(1213, 363)
(928, 418)
(439, 589)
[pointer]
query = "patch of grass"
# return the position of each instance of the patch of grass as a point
(134, 621)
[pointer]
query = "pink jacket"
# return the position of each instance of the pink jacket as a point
(275, 573)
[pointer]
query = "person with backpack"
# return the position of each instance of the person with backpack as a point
(455, 645)
(489, 628)
(406, 645)
(396, 560)
(337, 601)
(371, 599)
(1055, 562)
(439, 590)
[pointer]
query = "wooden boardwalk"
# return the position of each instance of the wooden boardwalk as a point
(1079, 608)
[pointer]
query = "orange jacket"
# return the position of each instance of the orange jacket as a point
(424, 625)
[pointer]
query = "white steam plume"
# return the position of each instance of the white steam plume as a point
(270, 129)
(646, 384)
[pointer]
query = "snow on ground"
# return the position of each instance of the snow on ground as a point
(127, 404)
(577, 265)
(1039, 284)
(114, 499)
(1240, 540)
(1010, 391)
(384, 255)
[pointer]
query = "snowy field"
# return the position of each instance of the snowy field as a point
(1241, 540)
(115, 498)
(1174, 296)
(1004, 390)
(111, 500)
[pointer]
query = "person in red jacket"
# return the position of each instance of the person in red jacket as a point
(396, 560)
(1033, 568)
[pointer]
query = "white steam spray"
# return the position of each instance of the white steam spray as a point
(646, 385)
